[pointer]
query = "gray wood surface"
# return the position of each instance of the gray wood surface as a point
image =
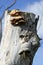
(19, 42)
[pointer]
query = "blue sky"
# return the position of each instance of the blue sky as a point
(20, 4)
(35, 6)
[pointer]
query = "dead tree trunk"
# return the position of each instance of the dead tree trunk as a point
(20, 40)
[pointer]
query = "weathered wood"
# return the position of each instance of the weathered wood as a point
(19, 41)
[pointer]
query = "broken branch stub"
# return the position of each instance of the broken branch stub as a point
(21, 39)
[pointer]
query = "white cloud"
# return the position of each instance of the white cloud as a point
(37, 8)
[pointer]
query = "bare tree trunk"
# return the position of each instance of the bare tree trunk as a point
(19, 41)
(3, 16)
